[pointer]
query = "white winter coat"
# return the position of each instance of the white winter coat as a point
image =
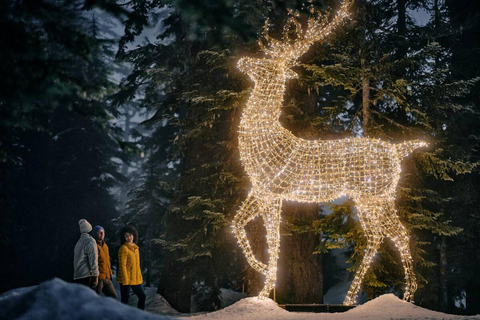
(85, 259)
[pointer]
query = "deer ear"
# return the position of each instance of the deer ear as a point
(290, 74)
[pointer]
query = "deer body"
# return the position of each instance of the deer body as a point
(327, 172)
(283, 167)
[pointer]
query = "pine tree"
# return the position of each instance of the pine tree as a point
(192, 85)
(380, 76)
(462, 253)
(383, 91)
(57, 138)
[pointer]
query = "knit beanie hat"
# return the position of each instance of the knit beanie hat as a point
(85, 227)
(97, 229)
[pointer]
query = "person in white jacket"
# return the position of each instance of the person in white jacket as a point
(85, 259)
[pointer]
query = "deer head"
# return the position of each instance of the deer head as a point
(283, 54)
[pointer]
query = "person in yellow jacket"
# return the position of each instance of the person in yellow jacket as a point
(105, 283)
(129, 274)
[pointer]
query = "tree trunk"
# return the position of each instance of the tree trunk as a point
(472, 298)
(443, 275)
(148, 247)
(365, 98)
(256, 235)
(300, 271)
(126, 136)
(436, 10)
(365, 75)
(125, 188)
(173, 277)
(305, 267)
(402, 28)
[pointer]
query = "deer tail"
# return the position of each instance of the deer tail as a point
(406, 148)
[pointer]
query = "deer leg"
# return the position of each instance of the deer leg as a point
(372, 247)
(249, 209)
(374, 239)
(398, 234)
(271, 218)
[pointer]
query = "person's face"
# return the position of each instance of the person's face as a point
(101, 235)
(128, 237)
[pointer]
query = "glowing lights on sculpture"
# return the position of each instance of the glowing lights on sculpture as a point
(282, 166)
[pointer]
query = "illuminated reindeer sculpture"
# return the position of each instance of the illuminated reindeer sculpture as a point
(282, 166)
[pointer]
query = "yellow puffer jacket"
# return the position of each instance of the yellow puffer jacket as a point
(129, 272)
(104, 266)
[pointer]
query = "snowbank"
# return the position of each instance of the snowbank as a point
(389, 306)
(384, 307)
(58, 300)
(249, 309)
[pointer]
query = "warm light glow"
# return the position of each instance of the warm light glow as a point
(282, 166)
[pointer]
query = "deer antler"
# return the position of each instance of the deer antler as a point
(318, 28)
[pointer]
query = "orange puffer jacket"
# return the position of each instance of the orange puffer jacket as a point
(104, 265)
(129, 272)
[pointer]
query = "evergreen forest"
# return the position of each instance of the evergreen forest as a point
(126, 112)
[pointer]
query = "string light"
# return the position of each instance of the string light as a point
(283, 167)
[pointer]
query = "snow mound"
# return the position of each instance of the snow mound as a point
(248, 308)
(382, 308)
(59, 300)
(389, 306)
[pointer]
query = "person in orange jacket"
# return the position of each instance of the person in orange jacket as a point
(105, 283)
(129, 274)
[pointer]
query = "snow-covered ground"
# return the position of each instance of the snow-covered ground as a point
(58, 300)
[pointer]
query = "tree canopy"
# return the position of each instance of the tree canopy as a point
(69, 150)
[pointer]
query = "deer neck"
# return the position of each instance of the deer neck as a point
(263, 107)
